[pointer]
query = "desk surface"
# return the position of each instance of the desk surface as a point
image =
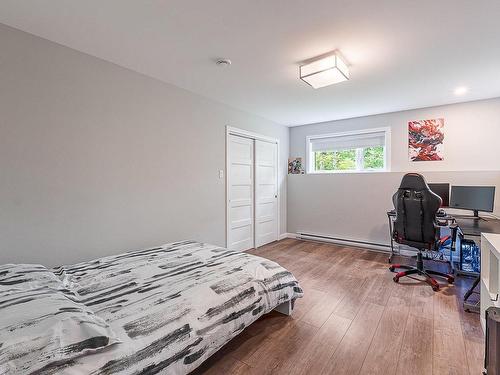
(471, 227)
(468, 225)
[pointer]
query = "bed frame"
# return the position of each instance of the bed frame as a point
(286, 308)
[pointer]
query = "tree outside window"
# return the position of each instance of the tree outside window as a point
(358, 159)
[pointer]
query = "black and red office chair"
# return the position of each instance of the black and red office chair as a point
(416, 226)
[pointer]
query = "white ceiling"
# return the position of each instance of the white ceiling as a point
(403, 53)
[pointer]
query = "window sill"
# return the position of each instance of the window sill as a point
(350, 172)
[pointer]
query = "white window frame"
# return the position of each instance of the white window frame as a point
(387, 151)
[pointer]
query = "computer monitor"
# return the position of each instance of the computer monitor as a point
(475, 198)
(443, 190)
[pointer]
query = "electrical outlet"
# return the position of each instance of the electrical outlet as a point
(221, 173)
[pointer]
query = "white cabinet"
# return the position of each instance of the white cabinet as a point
(490, 276)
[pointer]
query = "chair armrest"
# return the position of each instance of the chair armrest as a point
(441, 223)
(446, 221)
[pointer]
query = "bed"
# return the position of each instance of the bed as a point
(168, 308)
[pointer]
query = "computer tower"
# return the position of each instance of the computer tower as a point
(492, 350)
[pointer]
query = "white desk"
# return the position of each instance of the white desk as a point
(490, 275)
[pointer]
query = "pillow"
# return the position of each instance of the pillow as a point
(43, 326)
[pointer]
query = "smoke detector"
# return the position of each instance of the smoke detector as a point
(223, 62)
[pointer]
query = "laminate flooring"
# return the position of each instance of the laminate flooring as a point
(354, 319)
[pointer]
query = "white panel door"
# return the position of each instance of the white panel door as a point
(266, 192)
(240, 193)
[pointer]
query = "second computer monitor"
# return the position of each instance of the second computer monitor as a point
(475, 198)
(443, 190)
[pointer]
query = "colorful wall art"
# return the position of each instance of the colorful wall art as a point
(425, 140)
(295, 166)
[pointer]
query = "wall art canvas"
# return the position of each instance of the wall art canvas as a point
(295, 166)
(426, 140)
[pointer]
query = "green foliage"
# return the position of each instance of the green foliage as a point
(345, 160)
(335, 160)
(373, 157)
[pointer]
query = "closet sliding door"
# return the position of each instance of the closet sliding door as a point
(252, 192)
(240, 193)
(266, 192)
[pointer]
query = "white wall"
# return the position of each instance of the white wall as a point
(472, 131)
(353, 206)
(96, 159)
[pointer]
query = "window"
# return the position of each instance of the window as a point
(360, 151)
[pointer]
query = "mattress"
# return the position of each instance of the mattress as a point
(175, 305)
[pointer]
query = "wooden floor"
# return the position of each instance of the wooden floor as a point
(354, 319)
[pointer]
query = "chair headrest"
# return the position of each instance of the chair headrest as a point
(414, 181)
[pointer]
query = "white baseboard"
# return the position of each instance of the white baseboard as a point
(287, 235)
(343, 241)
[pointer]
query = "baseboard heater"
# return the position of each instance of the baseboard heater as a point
(344, 241)
(492, 352)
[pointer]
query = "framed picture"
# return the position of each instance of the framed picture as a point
(295, 166)
(426, 140)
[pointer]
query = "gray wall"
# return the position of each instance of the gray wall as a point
(96, 159)
(353, 206)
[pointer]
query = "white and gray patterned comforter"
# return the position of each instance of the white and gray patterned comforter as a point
(174, 306)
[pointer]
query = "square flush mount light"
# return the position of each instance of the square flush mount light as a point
(324, 71)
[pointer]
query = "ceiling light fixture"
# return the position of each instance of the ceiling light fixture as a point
(460, 90)
(324, 71)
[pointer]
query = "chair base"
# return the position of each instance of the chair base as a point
(409, 270)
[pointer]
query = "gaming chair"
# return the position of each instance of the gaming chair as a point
(416, 226)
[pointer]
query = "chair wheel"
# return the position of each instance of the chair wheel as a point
(396, 279)
(391, 268)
